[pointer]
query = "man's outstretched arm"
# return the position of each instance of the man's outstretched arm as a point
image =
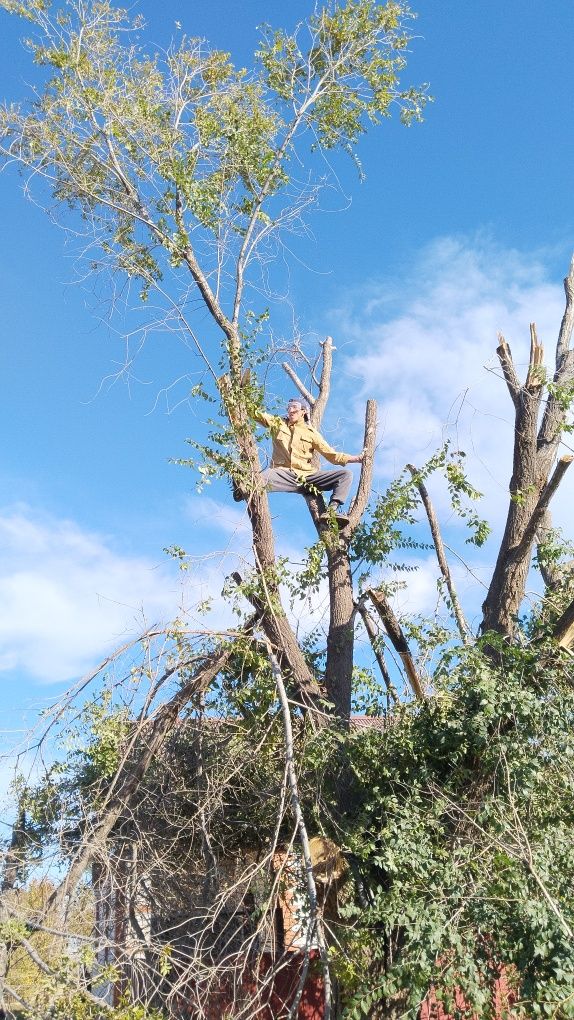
(334, 456)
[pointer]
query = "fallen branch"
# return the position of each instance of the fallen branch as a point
(373, 638)
(131, 774)
(397, 638)
(315, 927)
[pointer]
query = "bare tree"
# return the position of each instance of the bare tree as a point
(541, 408)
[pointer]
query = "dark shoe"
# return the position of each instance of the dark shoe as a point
(330, 516)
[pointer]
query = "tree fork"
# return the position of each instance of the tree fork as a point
(535, 449)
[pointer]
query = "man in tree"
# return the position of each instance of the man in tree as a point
(295, 442)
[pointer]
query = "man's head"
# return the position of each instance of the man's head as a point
(297, 410)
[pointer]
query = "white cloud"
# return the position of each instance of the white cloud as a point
(420, 347)
(66, 597)
(208, 513)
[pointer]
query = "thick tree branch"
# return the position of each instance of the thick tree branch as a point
(512, 381)
(564, 628)
(523, 548)
(324, 382)
(397, 638)
(461, 623)
(366, 477)
(375, 644)
(305, 393)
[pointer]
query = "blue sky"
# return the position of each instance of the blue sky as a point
(464, 226)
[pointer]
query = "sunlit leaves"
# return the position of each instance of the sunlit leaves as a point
(192, 149)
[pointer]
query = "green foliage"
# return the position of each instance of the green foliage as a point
(180, 163)
(35, 988)
(391, 522)
(68, 1004)
(564, 395)
(464, 837)
(356, 56)
(460, 489)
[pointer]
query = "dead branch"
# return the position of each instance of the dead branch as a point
(361, 499)
(505, 357)
(564, 628)
(397, 638)
(305, 393)
(327, 348)
(374, 639)
(461, 623)
(316, 927)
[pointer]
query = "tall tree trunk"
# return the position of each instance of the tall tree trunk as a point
(268, 602)
(535, 448)
(341, 635)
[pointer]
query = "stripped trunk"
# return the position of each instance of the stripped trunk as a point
(341, 636)
(535, 448)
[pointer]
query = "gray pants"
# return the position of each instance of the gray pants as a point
(337, 482)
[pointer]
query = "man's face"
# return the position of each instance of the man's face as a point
(295, 412)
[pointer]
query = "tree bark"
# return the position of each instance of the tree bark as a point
(564, 628)
(273, 617)
(535, 450)
(397, 639)
(341, 633)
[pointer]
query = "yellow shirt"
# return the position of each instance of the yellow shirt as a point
(294, 445)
